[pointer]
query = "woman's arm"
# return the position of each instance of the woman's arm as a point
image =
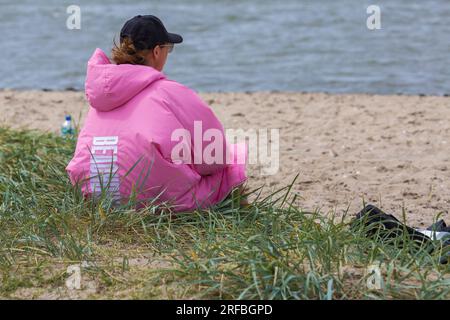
(208, 141)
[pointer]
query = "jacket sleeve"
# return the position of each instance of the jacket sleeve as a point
(208, 140)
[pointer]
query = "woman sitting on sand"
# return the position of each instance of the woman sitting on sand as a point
(140, 138)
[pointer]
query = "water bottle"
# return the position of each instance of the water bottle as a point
(67, 129)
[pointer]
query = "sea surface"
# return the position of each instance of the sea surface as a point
(241, 45)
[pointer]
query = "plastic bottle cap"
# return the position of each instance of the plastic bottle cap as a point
(68, 118)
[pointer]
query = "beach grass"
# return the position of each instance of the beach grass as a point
(270, 249)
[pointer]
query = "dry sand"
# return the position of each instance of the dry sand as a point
(392, 151)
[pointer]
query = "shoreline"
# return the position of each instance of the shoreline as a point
(70, 89)
(390, 150)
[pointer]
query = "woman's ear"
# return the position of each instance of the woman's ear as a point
(156, 51)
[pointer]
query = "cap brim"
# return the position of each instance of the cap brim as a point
(175, 38)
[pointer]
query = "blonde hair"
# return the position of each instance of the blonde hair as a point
(126, 53)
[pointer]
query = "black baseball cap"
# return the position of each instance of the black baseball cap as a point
(147, 31)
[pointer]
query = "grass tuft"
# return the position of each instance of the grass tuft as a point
(269, 249)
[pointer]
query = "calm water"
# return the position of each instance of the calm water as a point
(242, 45)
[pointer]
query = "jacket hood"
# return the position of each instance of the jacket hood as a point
(109, 86)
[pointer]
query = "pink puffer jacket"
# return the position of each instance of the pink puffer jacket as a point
(131, 131)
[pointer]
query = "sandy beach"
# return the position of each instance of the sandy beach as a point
(391, 151)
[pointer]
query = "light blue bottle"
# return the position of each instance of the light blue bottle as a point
(67, 129)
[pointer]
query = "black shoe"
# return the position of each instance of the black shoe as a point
(439, 226)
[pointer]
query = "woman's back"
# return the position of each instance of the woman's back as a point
(126, 144)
